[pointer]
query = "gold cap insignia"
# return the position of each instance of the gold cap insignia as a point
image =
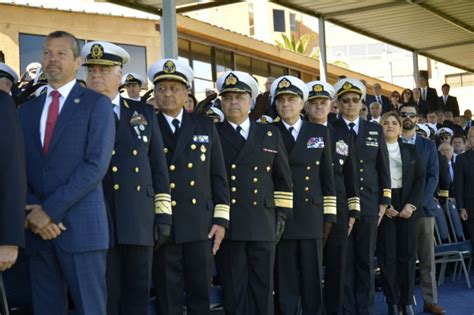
(318, 88)
(231, 80)
(169, 67)
(347, 86)
(284, 84)
(97, 51)
(130, 77)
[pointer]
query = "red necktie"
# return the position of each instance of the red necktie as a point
(53, 113)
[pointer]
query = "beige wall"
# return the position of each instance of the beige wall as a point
(21, 19)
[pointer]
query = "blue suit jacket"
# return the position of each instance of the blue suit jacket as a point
(429, 156)
(67, 181)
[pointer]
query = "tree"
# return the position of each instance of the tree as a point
(296, 45)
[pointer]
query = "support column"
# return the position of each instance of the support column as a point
(322, 50)
(416, 72)
(168, 30)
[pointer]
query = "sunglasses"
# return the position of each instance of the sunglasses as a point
(409, 115)
(444, 137)
(363, 109)
(347, 100)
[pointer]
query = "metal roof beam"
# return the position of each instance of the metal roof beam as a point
(448, 18)
(468, 42)
(205, 5)
(365, 9)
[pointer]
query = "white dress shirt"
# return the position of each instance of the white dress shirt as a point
(245, 128)
(356, 122)
(296, 127)
(396, 167)
(116, 103)
(170, 119)
(64, 91)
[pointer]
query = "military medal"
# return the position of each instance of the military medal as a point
(141, 127)
(137, 131)
(203, 148)
(203, 157)
(145, 139)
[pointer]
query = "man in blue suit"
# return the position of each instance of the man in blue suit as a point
(427, 150)
(69, 136)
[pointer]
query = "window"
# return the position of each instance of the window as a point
(277, 71)
(224, 62)
(137, 62)
(244, 63)
(338, 51)
(278, 20)
(295, 73)
(357, 50)
(293, 22)
(31, 50)
(251, 20)
(375, 49)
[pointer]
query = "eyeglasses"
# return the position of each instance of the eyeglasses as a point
(409, 115)
(347, 100)
(444, 137)
(363, 109)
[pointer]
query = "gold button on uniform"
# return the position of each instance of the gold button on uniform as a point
(134, 152)
(361, 170)
(255, 179)
(306, 178)
(306, 189)
(308, 168)
(172, 185)
(233, 189)
(172, 167)
(113, 152)
(194, 201)
(254, 203)
(233, 201)
(173, 203)
(306, 199)
(361, 179)
(233, 177)
(116, 187)
(361, 161)
(233, 166)
(166, 150)
(193, 146)
(139, 188)
(114, 169)
(255, 191)
(191, 183)
(362, 188)
(136, 169)
(255, 168)
(317, 162)
(190, 165)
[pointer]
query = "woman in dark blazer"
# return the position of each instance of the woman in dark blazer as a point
(396, 240)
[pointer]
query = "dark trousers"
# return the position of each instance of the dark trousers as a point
(359, 284)
(183, 268)
(128, 279)
(298, 275)
(55, 272)
(396, 255)
(335, 252)
(246, 272)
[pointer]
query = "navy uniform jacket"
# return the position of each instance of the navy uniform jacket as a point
(198, 180)
(345, 173)
(314, 193)
(444, 182)
(260, 180)
(464, 182)
(373, 166)
(12, 175)
(136, 185)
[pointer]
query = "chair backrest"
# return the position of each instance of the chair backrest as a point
(455, 221)
(441, 223)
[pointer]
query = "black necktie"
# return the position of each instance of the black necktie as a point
(239, 129)
(292, 139)
(175, 123)
(353, 132)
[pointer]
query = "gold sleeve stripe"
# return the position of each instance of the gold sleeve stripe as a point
(329, 197)
(387, 193)
(443, 193)
(354, 206)
(353, 199)
(328, 209)
(222, 211)
(283, 193)
(162, 197)
(163, 207)
(282, 203)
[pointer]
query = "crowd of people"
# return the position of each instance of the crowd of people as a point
(110, 200)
